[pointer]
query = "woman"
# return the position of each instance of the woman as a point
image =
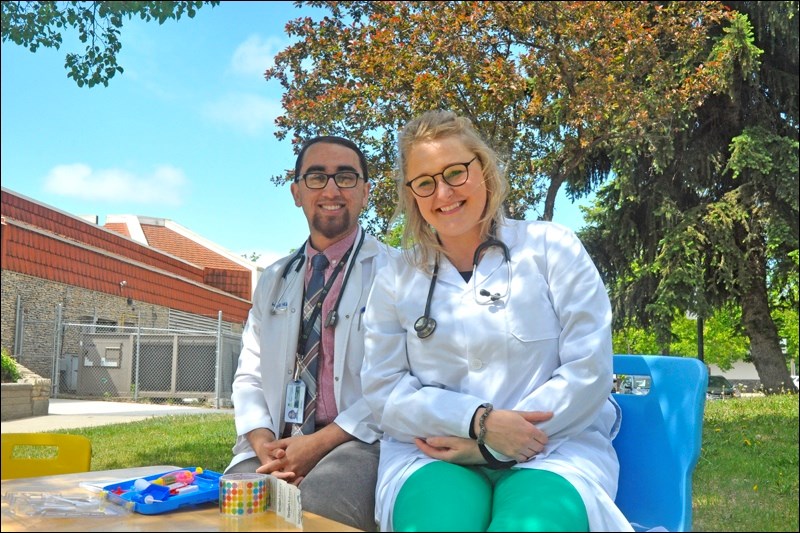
(488, 356)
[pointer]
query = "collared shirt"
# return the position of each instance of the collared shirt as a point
(326, 402)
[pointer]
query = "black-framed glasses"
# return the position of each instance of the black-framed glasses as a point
(319, 180)
(455, 176)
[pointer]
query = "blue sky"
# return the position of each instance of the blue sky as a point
(185, 133)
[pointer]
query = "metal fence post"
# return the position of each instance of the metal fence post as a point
(218, 369)
(57, 338)
(138, 346)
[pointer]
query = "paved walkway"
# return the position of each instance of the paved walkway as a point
(70, 414)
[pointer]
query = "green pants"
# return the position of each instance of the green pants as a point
(443, 496)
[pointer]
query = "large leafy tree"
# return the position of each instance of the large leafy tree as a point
(559, 89)
(566, 92)
(98, 24)
(718, 223)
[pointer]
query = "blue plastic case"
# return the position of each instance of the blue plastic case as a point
(127, 495)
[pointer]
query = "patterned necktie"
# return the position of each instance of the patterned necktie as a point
(308, 367)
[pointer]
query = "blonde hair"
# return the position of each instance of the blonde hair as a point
(419, 241)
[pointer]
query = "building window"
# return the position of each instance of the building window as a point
(112, 356)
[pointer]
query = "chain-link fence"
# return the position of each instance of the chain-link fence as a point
(130, 362)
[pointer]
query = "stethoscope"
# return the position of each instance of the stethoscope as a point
(426, 325)
(280, 305)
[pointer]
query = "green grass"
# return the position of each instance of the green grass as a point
(746, 478)
(747, 475)
(185, 440)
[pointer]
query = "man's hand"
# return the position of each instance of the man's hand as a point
(292, 458)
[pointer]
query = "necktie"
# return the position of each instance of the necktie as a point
(308, 367)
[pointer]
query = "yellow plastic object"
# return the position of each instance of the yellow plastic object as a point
(44, 454)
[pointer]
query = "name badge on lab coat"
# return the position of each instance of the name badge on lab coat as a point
(295, 401)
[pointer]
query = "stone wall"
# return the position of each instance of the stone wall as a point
(38, 299)
(30, 396)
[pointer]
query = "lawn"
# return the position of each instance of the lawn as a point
(746, 478)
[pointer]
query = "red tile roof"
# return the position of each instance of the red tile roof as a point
(43, 242)
(218, 270)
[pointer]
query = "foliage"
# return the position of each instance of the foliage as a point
(635, 340)
(560, 89)
(99, 24)
(635, 98)
(683, 114)
(717, 225)
(9, 368)
(724, 341)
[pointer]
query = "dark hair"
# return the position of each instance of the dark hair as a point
(330, 139)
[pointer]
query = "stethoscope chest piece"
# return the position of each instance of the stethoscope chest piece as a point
(424, 326)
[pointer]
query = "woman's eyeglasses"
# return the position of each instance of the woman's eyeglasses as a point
(455, 176)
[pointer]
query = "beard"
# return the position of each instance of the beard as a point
(332, 226)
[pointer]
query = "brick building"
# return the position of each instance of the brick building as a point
(133, 271)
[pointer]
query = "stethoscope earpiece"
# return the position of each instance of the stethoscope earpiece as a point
(424, 326)
(492, 297)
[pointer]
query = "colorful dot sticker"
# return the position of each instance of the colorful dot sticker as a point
(243, 494)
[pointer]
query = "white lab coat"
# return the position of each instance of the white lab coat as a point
(267, 359)
(544, 347)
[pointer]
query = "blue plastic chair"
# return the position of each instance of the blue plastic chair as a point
(658, 444)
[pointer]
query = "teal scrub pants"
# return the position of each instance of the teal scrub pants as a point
(443, 496)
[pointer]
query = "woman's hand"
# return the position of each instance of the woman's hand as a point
(451, 449)
(514, 433)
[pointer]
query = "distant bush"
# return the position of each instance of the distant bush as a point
(10, 370)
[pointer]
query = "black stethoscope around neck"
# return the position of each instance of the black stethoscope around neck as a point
(299, 258)
(426, 325)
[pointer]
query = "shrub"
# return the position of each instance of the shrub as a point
(10, 370)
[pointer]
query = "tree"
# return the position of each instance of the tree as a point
(252, 256)
(558, 89)
(568, 92)
(35, 24)
(725, 342)
(718, 223)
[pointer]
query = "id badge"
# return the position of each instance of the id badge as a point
(295, 401)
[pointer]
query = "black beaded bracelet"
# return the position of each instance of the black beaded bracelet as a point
(482, 424)
(493, 462)
(472, 434)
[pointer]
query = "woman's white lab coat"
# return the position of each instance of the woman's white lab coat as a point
(546, 346)
(266, 362)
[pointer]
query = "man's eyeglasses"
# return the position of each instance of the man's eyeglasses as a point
(454, 175)
(319, 180)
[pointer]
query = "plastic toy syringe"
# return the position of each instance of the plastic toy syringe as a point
(184, 476)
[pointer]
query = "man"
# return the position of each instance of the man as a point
(331, 451)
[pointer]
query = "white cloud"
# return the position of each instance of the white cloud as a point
(248, 113)
(163, 187)
(255, 54)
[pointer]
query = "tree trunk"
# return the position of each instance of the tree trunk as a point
(765, 347)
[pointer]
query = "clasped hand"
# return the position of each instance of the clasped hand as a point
(289, 459)
(512, 433)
